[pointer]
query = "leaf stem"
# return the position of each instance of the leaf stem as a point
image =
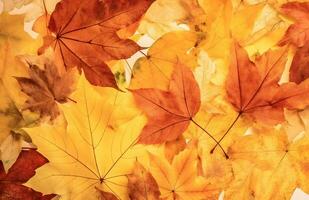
(143, 53)
(226, 132)
(214, 139)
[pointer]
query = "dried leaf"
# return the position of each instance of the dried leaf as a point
(45, 88)
(169, 112)
(84, 35)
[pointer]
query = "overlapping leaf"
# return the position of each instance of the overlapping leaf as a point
(253, 88)
(84, 35)
(169, 112)
(46, 88)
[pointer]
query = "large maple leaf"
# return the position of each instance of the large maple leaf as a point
(84, 35)
(297, 33)
(169, 112)
(96, 148)
(254, 90)
(11, 183)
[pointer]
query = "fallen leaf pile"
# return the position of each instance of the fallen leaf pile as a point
(154, 99)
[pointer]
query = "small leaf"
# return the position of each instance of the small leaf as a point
(45, 88)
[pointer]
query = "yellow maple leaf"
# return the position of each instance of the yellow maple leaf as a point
(179, 180)
(96, 149)
(155, 69)
(269, 166)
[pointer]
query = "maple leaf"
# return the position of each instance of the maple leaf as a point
(299, 68)
(179, 180)
(142, 185)
(84, 35)
(94, 148)
(269, 157)
(253, 88)
(155, 69)
(297, 33)
(169, 112)
(11, 183)
(45, 88)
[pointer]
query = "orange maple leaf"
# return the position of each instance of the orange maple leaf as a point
(169, 112)
(253, 88)
(85, 35)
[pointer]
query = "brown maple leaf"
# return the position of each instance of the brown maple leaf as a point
(47, 87)
(84, 34)
(297, 33)
(253, 87)
(169, 112)
(299, 70)
(11, 183)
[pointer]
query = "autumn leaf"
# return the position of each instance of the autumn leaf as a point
(84, 35)
(253, 88)
(179, 179)
(155, 69)
(274, 160)
(94, 148)
(297, 33)
(142, 185)
(299, 68)
(11, 183)
(45, 88)
(169, 112)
